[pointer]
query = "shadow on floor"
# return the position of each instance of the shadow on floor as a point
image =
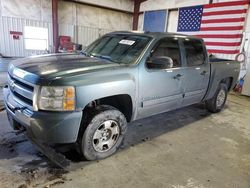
(149, 128)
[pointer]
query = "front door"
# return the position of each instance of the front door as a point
(161, 89)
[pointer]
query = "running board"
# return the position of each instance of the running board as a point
(55, 157)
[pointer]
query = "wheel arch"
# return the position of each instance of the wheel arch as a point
(122, 102)
(215, 84)
(228, 81)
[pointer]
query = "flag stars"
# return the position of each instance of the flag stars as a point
(190, 18)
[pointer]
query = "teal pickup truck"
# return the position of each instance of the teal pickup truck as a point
(87, 99)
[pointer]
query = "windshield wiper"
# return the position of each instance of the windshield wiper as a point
(84, 53)
(102, 57)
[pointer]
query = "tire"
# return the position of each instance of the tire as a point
(216, 104)
(104, 133)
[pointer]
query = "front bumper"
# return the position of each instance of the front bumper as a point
(47, 127)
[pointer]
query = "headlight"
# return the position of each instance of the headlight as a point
(57, 98)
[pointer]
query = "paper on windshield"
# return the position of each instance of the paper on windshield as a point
(127, 42)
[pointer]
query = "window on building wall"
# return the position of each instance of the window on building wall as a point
(36, 38)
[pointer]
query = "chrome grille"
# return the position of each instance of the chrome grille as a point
(22, 92)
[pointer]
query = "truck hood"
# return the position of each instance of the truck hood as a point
(56, 65)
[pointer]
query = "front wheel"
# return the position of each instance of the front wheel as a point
(104, 134)
(217, 103)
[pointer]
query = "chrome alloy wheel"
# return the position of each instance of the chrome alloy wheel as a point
(221, 98)
(106, 136)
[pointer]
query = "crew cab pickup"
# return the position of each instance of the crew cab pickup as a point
(88, 98)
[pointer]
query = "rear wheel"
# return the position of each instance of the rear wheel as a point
(104, 134)
(217, 103)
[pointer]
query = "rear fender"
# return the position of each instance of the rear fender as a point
(221, 72)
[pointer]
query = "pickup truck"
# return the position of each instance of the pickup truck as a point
(86, 99)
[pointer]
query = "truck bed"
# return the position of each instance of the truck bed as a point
(222, 69)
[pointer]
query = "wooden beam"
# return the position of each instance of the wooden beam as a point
(136, 14)
(55, 25)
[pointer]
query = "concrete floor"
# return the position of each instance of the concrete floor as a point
(187, 148)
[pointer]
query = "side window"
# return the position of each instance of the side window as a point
(194, 52)
(168, 47)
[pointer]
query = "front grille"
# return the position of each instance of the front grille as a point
(22, 91)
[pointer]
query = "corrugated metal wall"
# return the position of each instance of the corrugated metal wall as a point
(86, 35)
(15, 48)
(82, 34)
(11, 47)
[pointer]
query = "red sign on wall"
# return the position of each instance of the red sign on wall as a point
(16, 34)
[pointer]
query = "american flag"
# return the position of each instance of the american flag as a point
(220, 25)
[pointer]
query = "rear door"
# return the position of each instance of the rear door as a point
(197, 70)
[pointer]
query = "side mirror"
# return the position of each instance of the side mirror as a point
(160, 62)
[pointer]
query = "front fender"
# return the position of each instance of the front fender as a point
(101, 87)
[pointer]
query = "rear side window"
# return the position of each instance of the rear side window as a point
(194, 52)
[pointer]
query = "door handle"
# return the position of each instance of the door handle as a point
(203, 73)
(178, 76)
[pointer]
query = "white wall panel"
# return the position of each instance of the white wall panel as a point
(87, 35)
(140, 22)
(89, 16)
(172, 20)
(127, 5)
(247, 29)
(0, 7)
(46, 10)
(246, 86)
(66, 12)
(126, 22)
(169, 4)
(247, 26)
(110, 19)
(29, 9)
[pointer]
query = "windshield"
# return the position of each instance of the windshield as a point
(118, 48)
